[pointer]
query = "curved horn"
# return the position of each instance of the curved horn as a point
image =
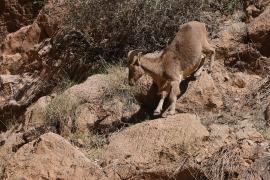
(133, 53)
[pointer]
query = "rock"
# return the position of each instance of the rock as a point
(259, 169)
(14, 14)
(245, 130)
(233, 151)
(16, 45)
(154, 145)
(231, 34)
(85, 117)
(240, 80)
(258, 93)
(201, 95)
(51, 22)
(259, 30)
(35, 114)
(51, 157)
(9, 142)
(70, 55)
(81, 100)
(219, 132)
(235, 159)
(236, 52)
(254, 8)
(85, 107)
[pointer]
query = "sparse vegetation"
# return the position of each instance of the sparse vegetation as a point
(64, 84)
(91, 143)
(61, 112)
(224, 164)
(117, 86)
(114, 27)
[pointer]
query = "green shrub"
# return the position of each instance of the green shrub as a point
(116, 26)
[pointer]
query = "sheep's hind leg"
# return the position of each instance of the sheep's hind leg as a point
(157, 111)
(175, 91)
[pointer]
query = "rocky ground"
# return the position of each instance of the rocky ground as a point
(100, 128)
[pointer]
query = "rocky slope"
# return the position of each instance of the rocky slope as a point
(101, 128)
(15, 14)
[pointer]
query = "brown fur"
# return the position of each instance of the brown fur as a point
(174, 63)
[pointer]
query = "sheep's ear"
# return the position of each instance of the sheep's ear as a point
(132, 54)
(139, 58)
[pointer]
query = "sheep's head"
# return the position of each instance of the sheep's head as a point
(134, 66)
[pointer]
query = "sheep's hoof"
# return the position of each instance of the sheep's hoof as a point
(168, 113)
(197, 74)
(157, 113)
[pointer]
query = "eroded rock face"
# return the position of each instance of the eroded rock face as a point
(15, 48)
(67, 54)
(154, 146)
(17, 45)
(259, 30)
(51, 157)
(15, 14)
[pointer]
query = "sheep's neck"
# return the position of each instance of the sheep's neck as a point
(152, 66)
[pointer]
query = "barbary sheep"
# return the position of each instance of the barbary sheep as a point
(183, 57)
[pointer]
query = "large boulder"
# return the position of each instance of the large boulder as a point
(51, 157)
(201, 95)
(180, 147)
(12, 140)
(147, 148)
(94, 104)
(259, 31)
(91, 105)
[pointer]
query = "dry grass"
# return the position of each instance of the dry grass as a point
(117, 86)
(60, 111)
(92, 144)
(223, 164)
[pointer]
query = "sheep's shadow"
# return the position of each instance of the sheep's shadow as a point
(148, 104)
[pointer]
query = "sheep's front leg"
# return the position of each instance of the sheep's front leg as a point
(200, 68)
(175, 91)
(164, 94)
